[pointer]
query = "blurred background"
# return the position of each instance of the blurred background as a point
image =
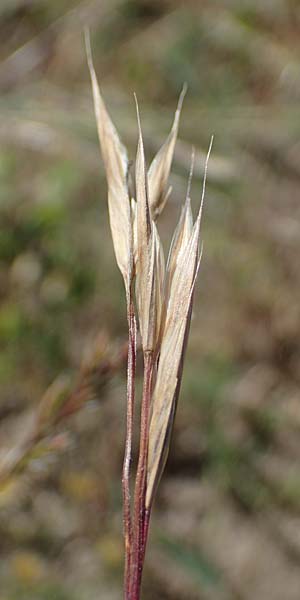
(226, 523)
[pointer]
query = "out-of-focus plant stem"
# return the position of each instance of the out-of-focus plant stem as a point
(61, 401)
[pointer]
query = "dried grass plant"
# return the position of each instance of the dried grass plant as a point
(160, 298)
(62, 399)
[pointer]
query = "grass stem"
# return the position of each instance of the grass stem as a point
(140, 486)
(131, 368)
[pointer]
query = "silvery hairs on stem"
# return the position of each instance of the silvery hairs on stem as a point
(164, 294)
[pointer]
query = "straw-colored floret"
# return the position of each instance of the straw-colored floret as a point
(160, 167)
(115, 160)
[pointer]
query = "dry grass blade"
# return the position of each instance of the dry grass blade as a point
(144, 224)
(182, 232)
(160, 285)
(149, 257)
(168, 381)
(173, 344)
(159, 170)
(116, 166)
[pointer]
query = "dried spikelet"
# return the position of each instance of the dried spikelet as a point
(173, 344)
(149, 257)
(182, 232)
(179, 243)
(159, 170)
(168, 380)
(160, 285)
(144, 222)
(116, 166)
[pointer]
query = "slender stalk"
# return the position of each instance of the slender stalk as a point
(140, 485)
(147, 515)
(131, 368)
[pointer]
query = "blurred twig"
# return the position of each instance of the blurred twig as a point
(61, 400)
